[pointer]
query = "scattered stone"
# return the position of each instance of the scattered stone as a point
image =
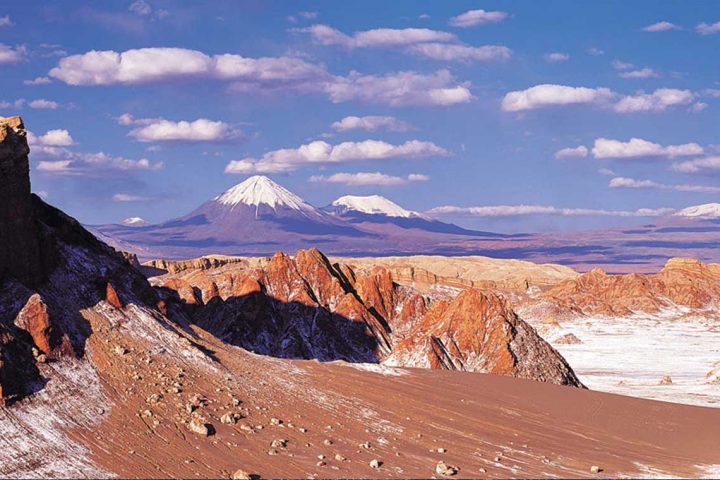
(340, 458)
(321, 457)
(199, 426)
(279, 443)
(498, 458)
(321, 463)
(302, 430)
(120, 350)
(230, 418)
(375, 463)
(365, 445)
(275, 421)
(666, 380)
(272, 452)
(154, 398)
(443, 469)
(482, 470)
(441, 450)
(327, 441)
(595, 469)
(241, 474)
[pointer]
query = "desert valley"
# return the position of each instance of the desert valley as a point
(327, 240)
(308, 365)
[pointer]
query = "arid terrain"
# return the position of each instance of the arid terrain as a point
(304, 366)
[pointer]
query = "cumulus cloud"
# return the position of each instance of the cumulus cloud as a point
(472, 18)
(547, 95)
(595, 52)
(319, 152)
(52, 138)
(569, 152)
(514, 210)
(52, 156)
(707, 28)
(556, 57)
(10, 54)
(698, 165)
(159, 65)
(161, 130)
(428, 43)
(165, 65)
(637, 147)
(41, 103)
(623, 182)
(38, 81)
(140, 7)
(661, 27)
(658, 101)
(126, 197)
(370, 123)
(400, 89)
(379, 37)
(619, 65)
(368, 178)
(461, 53)
(5, 21)
(642, 73)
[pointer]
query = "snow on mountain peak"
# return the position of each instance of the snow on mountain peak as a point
(134, 222)
(373, 205)
(260, 190)
(708, 210)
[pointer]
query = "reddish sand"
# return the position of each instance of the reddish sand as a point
(537, 430)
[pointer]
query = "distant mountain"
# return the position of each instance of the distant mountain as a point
(375, 209)
(259, 217)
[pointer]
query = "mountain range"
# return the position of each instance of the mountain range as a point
(259, 217)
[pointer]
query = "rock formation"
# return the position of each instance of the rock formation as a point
(682, 282)
(307, 307)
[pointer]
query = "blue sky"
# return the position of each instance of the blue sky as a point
(468, 110)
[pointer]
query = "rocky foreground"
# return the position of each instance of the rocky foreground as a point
(213, 372)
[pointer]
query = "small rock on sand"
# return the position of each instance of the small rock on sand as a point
(241, 474)
(595, 469)
(375, 463)
(443, 469)
(666, 380)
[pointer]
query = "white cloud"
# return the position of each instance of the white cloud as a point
(595, 52)
(16, 104)
(698, 107)
(370, 123)
(10, 54)
(547, 95)
(698, 165)
(637, 147)
(41, 103)
(163, 65)
(622, 182)
(419, 41)
(607, 172)
(400, 89)
(577, 152)
(159, 65)
(52, 138)
(161, 130)
(463, 53)
(59, 166)
(618, 65)
(5, 21)
(368, 178)
(379, 37)
(472, 18)
(320, 152)
(513, 210)
(126, 197)
(658, 101)
(642, 73)
(708, 29)
(38, 81)
(712, 92)
(661, 27)
(140, 7)
(556, 57)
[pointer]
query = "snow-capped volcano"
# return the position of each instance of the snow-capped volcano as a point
(371, 205)
(708, 210)
(260, 190)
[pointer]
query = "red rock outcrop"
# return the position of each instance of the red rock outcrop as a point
(478, 332)
(684, 282)
(34, 319)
